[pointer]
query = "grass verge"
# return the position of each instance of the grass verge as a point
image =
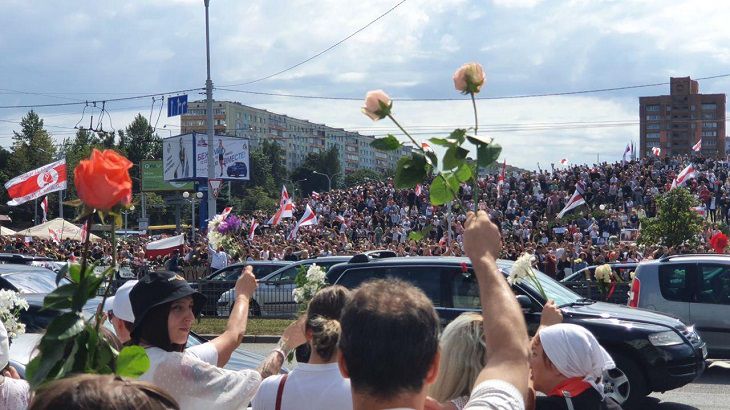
(255, 326)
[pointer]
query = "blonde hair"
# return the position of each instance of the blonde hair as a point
(463, 356)
(323, 319)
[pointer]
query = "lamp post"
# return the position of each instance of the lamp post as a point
(298, 186)
(209, 118)
(198, 196)
(131, 209)
(329, 180)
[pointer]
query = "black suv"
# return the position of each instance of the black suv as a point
(652, 351)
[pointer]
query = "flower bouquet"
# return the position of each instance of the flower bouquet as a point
(10, 306)
(607, 280)
(522, 270)
(309, 282)
(225, 230)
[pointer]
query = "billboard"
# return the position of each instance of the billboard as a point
(153, 180)
(186, 157)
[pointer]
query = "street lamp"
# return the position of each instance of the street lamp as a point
(128, 211)
(298, 186)
(187, 196)
(329, 180)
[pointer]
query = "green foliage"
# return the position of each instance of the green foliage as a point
(256, 198)
(132, 362)
(138, 142)
(675, 223)
(361, 176)
(389, 143)
(411, 171)
(326, 162)
(275, 155)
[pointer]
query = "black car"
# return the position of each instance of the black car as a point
(653, 352)
(237, 169)
(218, 282)
(28, 279)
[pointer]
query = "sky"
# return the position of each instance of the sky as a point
(72, 52)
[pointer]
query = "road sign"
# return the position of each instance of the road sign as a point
(215, 186)
(144, 223)
(177, 105)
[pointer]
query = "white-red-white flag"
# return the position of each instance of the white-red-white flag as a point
(627, 152)
(226, 211)
(419, 190)
(285, 204)
(500, 179)
(656, 151)
(44, 207)
(315, 195)
(564, 161)
(683, 176)
(309, 218)
(54, 235)
(36, 183)
(252, 229)
(575, 201)
(426, 146)
(84, 231)
(697, 147)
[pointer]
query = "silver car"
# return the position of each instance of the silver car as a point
(694, 288)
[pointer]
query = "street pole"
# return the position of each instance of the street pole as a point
(192, 222)
(209, 112)
(125, 222)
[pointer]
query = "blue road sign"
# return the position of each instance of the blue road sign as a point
(177, 105)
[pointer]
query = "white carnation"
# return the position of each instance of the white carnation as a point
(521, 269)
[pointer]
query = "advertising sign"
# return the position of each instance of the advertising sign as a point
(152, 179)
(186, 158)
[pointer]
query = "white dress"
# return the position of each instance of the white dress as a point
(196, 384)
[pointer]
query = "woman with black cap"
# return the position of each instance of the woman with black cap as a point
(165, 307)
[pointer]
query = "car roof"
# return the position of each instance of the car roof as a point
(7, 268)
(311, 261)
(503, 264)
(704, 257)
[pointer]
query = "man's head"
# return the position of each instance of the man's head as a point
(390, 339)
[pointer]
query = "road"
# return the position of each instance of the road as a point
(710, 392)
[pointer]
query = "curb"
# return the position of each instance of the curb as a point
(249, 338)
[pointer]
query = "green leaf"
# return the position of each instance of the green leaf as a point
(415, 236)
(440, 192)
(410, 171)
(488, 154)
(464, 172)
(458, 134)
(432, 159)
(454, 157)
(60, 298)
(479, 140)
(389, 143)
(62, 272)
(74, 272)
(51, 352)
(442, 142)
(132, 362)
(65, 326)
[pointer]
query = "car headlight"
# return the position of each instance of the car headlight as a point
(668, 338)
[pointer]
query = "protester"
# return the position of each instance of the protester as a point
(92, 392)
(14, 391)
(318, 383)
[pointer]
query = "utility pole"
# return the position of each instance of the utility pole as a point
(209, 112)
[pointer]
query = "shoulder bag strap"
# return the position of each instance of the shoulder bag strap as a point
(566, 395)
(280, 391)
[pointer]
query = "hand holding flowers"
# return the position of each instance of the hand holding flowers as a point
(522, 270)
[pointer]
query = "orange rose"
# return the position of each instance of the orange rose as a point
(103, 181)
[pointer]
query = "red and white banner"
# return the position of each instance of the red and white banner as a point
(34, 184)
(575, 201)
(564, 161)
(54, 234)
(164, 246)
(226, 211)
(252, 230)
(44, 207)
(683, 176)
(309, 218)
(286, 208)
(500, 179)
(697, 147)
(656, 151)
(315, 195)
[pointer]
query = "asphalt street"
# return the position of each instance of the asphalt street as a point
(711, 391)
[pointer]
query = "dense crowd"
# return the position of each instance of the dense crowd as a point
(375, 215)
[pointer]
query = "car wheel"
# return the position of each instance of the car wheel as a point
(254, 310)
(626, 383)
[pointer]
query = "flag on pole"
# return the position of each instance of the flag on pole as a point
(309, 218)
(419, 189)
(656, 151)
(44, 207)
(251, 230)
(500, 179)
(226, 211)
(683, 176)
(575, 201)
(84, 231)
(286, 208)
(54, 235)
(426, 146)
(315, 195)
(564, 161)
(627, 151)
(697, 147)
(36, 183)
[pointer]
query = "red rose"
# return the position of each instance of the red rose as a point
(103, 181)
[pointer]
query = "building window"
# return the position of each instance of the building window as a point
(709, 106)
(708, 115)
(652, 117)
(652, 135)
(709, 133)
(652, 108)
(710, 125)
(653, 127)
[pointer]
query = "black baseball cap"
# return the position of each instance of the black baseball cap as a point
(161, 287)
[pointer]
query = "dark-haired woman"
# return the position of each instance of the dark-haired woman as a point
(165, 307)
(317, 384)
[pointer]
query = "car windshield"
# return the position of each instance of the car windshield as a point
(554, 290)
(36, 281)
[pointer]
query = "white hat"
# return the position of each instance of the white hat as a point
(120, 304)
(4, 346)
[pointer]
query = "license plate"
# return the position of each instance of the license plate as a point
(704, 351)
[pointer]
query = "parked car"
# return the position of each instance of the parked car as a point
(237, 169)
(28, 279)
(274, 294)
(222, 280)
(695, 288)
(652, 351)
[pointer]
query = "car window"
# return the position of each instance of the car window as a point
(288, 275)
(229, 273)
(464, 289)
(674, 282)
(714, 285)
(262, 270)
(427, 278)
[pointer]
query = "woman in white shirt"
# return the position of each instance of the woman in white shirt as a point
(165, 307)
(317, 384)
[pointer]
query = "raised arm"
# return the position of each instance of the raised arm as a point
(505, 332)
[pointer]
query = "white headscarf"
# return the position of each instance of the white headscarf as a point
(4, 346)
(575, 352)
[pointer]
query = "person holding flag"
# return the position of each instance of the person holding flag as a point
(309, 218)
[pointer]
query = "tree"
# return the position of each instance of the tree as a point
(138, 142)
(675, 224)
(275, 156)
(361, 176)
(327, 162)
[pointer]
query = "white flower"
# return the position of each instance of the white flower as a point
(315, 274)
(10, 306)
(603, 273)
(521, 269)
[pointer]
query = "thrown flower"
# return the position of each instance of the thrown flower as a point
(469, 78)
(377, 105)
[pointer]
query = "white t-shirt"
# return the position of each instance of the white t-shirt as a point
(495, 395)
(196, 384)
(308, 386)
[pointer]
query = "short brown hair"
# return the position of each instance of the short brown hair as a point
(91, 392)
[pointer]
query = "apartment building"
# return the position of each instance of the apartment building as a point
(296, 136)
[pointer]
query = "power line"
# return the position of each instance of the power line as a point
(321, 52)
(136, 97)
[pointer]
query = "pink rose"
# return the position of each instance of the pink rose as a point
(469, 78)
(377, 105)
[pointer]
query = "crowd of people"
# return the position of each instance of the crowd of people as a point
(375, 215)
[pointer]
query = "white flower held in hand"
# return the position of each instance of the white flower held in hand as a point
(521, 269)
